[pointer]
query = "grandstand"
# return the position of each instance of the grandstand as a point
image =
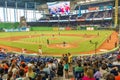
(59, 40)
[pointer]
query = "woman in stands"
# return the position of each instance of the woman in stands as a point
(14, 70)
(30, 73)
(66, 68)
(89, 75)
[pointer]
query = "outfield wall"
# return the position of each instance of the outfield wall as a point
(42, 28)
(37, 28)
(48, 28)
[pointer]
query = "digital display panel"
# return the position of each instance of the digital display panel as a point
(59, 7)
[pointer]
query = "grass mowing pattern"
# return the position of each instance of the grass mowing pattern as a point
(84, 44)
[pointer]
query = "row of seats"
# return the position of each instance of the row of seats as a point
(100, 14)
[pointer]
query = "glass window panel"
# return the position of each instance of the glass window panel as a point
(8, 15)
(38, 15)
(1, 15)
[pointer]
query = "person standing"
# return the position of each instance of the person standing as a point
(98, 34)
(64, 43)
(116, 44)
(70, 61)
(48, 42)
(60, 70)
(40, 50)
(24, 50)
(59, 33)
(66, 68)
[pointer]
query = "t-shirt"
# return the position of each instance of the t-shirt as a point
(117, 77)
(60, 70)
(97, 75)
(70, 59)
(77, 68)
(52, 66)
(43, 74)
(66, 66)
(87, 78)
(31, 75)
(47, 70)
(22, 78)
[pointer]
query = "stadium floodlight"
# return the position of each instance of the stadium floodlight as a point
(69, 19)
(58, 19)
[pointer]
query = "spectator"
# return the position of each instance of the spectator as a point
(30, 73)
(110, 77)
(118, 76)
(66, 68)
(38, 77)
(60, 69)
(97, 75)
(104, 72)
(22, 75)
(79, 68)
(114, 71)
(9, 76)
(42, 73)
(66, 58)
(46, 69)
(70, 61)
(1, 72)
(14, 70)
(117, 62)
(89, 75)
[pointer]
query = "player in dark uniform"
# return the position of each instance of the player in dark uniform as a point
(48, 42)
(64, 43)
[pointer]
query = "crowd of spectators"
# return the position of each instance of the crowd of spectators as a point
(65, 17)
(94, 67)
(90, 15)
(100, 14)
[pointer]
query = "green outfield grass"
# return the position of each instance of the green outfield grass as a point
(33, 43)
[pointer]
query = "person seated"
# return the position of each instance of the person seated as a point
(30, 73)
(89, 75)
(22, 75)
(42, 73)
(110, 77)
(118, 76)
(79, 70)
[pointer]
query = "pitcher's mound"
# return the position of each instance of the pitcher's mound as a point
(60, 45)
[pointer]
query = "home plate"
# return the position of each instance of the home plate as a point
(103, 50)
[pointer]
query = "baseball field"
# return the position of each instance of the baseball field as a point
(75, 41)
